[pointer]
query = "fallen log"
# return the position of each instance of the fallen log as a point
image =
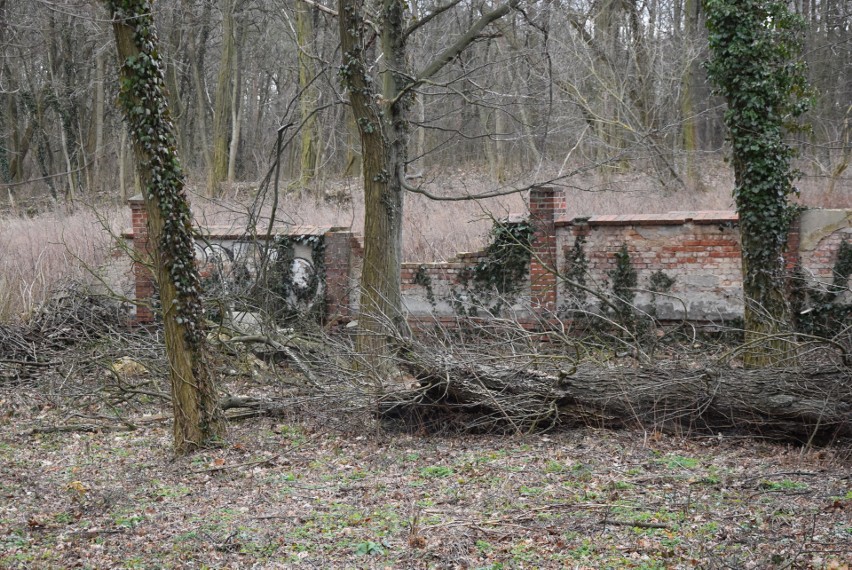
(803, 405)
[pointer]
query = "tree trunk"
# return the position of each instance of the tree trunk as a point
(20, 139)
(761, 91)
(100, 98)
(178, 100)
(236, 107)
(197, 57)
(383, 124)
(198, 421)
(802, 405)
(688, 114)
(122, 165)
(222, 110)
(383, 133)
(309, 95)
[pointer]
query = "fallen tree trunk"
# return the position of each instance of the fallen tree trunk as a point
(808, 405)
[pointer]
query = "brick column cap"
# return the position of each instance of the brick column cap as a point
(136, 199)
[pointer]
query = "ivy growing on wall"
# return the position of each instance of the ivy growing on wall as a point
(422, 278)
(576, 269)
(497, 279)
(825, 310)
(658, 282)
(623, 281)
(292, 298)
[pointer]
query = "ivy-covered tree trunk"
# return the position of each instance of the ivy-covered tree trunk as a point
(198, 421)
(755, 46)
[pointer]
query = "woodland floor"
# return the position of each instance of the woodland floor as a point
(297, 494)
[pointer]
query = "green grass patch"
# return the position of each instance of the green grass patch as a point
(783, 485)
(675, 462)
(436, 471)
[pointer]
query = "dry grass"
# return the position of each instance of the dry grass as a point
(433, 231)
(437, 230)
(42, 252)
(47, 251)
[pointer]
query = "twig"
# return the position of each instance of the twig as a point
(782, 474)
(636, 524)
(320, 7)
(25, 362)
(283, 348)
(235, 465)
(90, 428)
(93, 532)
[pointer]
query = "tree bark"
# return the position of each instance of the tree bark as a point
(100, 99)
(197, 57)
(222, 110)
(763, 92)
(382, 118)
(383, 131)
(236, 106)
(198, 421)
(806, 405)
(309, 95)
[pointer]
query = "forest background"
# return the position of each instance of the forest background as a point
(607, 99)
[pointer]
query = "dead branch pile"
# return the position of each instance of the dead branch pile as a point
(495, 384)
(74, 314)
(59, 332)
(806, 405)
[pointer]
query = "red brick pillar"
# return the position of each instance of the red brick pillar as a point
(791, 255)
(338, 263)
(141, 272)
(544, 203)
(792, 259)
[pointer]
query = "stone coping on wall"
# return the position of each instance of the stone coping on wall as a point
(667, 219)
(231, 233)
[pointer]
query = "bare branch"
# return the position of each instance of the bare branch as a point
(459, 45)
(428, 18)
(320, 7)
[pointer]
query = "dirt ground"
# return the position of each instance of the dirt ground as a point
(299, 494)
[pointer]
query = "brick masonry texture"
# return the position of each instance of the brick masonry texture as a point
(700, 250)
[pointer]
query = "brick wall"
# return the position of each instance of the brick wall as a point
(544, 203)
(341, 247)
(342, 252)
(699, 250)
(144, 289)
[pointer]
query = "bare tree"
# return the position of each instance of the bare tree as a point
(381, 96)
(225, 100)
(611, 82)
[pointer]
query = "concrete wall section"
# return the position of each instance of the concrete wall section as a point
(821, 232)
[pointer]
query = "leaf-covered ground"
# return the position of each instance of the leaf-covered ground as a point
(296, 495)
